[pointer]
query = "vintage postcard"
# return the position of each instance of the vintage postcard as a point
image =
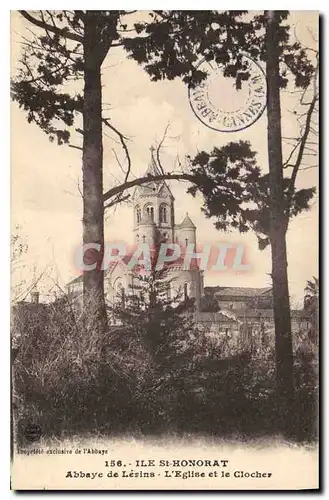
(164, 244)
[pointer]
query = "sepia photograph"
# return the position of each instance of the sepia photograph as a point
(164, 250)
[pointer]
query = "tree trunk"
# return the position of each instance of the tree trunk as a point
(94, 311)
(283, 341)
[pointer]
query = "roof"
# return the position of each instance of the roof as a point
(179, 264)
(153, 168)
(125, 260)
(296, 314)
(74, 295)
(236, 291)
(218, 317)
(164, 188)
(152, 187)
(187, 223)
(238, 315)
(78, 279)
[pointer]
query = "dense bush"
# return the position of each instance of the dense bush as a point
(69, 382)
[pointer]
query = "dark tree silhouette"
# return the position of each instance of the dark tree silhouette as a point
(71, 45)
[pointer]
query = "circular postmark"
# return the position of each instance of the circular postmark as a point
(32, 432)
(219, 105)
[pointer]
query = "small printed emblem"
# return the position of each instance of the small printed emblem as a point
(32, 432)
(219, 105)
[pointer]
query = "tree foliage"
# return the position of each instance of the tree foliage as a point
(311, 304)
(167, 44)
(155, 310)
(236, 193)
(311, 292)
(66, 385)
(170, 43)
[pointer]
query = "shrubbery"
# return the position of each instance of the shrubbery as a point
(69, 382)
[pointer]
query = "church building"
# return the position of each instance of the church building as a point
(240, 314)
(243, 315)
(154, 223)
(153, 214)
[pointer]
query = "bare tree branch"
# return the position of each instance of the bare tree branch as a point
(159, 148)
(144, 180)
(118, 199)
(286, 163)
(54, 29)
(123, 140)
(302, 147)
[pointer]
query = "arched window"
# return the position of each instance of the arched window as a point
(149, 210)
(138, 214)
(137, 238)
(163, 213)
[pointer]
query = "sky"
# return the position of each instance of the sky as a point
(46, 178)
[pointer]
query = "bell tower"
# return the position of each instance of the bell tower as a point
(153, 202)
(154, 223)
